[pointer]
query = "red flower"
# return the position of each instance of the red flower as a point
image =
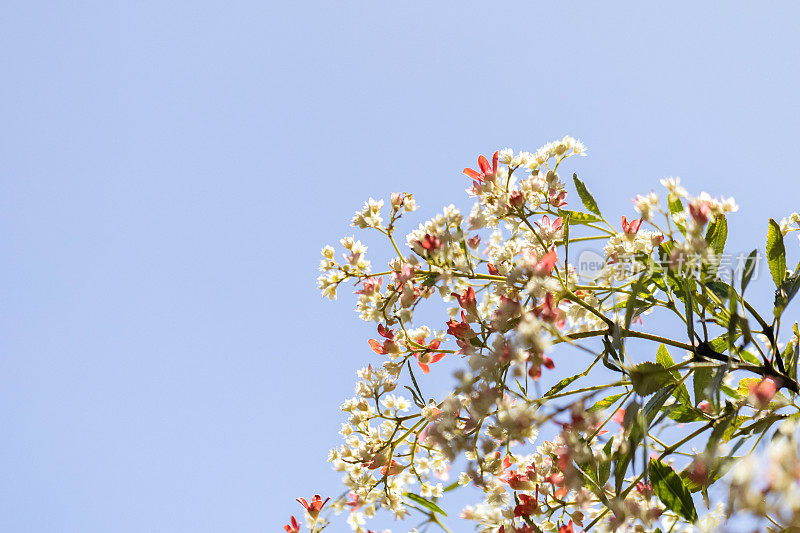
(492, 269)
(315, 506)
(371, 285)
(393, 469)
(355, 502)
(385, 333)
(567, 528)
(547, 226)
(427, 358)
(467, 300)
(486, 172)
(544, 267)
(700, 211)
(517, 199)
(645, 489)
(632, 227)
(521, 480)
(388, 346)
(461, 330)
(556, 198)
(293, 526)
(619, 416)
(549, 312)
(527, 505)
(430, 242)
(407, 272)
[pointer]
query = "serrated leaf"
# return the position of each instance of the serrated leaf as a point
(761, 425)
(605, 402)
(648, 377)
(654, 405)
(717, 234)
(632, 425)
(702, 379)
(725, 419)
(776, 253)
(675, 207)
(670, 489)
(735, 424)
(577, 217)
(675, 204)
(749, 268)
(689, 290)
(604, 468)
(749, 357)
(425, 503)
(721, 289)
(665, 359)
(787, 290)
(632, 302)
(684, 413)
(745, 384)
(586, 197)
(562, 384)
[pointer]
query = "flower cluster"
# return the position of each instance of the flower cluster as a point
(509, 297)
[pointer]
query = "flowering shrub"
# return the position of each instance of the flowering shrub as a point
(637, 440)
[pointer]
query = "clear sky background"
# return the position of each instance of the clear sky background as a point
(170, 170)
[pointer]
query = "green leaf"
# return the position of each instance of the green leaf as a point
(425, 503)
(577, 217)
(675, 207)
(675, 204)
(719, 468)
(604, 468)
(702, 380)
(648, 377)
(654, 405)
(632, 424)
(684, 413)
(430, 280)
(717, 234)
(688, 292)
(670, 489)
(724, 420)
(637, 422)
(586, 197)
(452, 486)
(791, 356)
(561, 384)
(665, 359)
(721, 289)
(749, 268)
(787, 290)
(776, 253)
(632, 303)
(605, 402)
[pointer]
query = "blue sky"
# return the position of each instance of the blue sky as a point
(170, 170)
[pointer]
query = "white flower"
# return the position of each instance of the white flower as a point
(673, 185)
